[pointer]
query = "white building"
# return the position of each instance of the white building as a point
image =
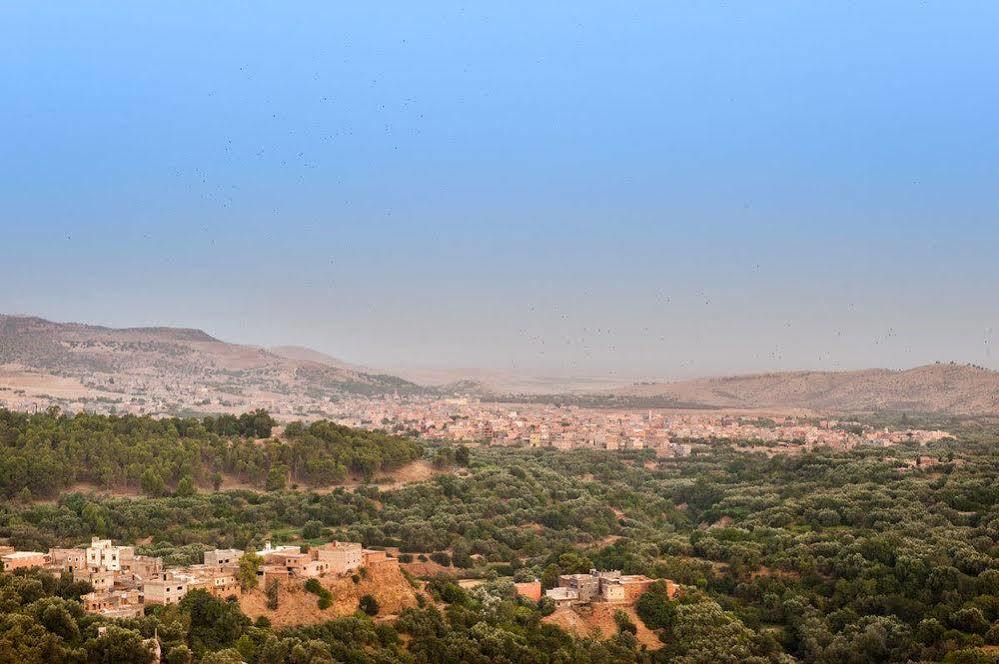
(103, 554)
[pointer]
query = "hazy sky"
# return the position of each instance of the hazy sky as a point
(646, 188)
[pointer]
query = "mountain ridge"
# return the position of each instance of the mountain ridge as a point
(961, 389)
(178, 368)
(170, 369)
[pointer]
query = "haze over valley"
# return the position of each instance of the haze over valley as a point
(499, 333)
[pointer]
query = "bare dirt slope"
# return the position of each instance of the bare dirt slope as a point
(598, 620)
(297, 606)
(937, 388)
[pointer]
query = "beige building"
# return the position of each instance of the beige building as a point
(120, 604)
(610, 586)
(100, 579)
(22, 560)
(73, 561)
(373, 557)
(142, 566)
(165, 588)
(342, 557)
(217, 580)
(223, 557)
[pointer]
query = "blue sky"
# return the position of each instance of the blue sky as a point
(641, 189)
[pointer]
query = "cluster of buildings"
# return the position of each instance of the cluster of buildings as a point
(594, 586)
(125, 582)
(289, 562)
(571, 427)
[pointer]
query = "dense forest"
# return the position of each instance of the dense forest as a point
(44, 454)
(878, 555)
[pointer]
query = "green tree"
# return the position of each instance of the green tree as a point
(120, 646)
(249, 567)
(186, 487)
(152, 483)
(655, 608)
(277, 477)
(312, 529)
(180, 654)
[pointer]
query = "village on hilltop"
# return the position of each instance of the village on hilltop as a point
(124, 582)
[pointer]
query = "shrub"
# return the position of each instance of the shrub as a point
(369, 605)
(441, 558)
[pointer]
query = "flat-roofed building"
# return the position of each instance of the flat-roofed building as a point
(165, 588)
(563, 596)
(22, 560)
(612, 591)
(100, 579)
(142, 566)
(342, 557)
(117, 604)
(586, 585)
(73, 561)
(221, 583)
(373, 557)
(268, 573)
(634, 585)
(104, 554)
(223, 556)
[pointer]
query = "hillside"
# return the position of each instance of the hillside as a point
(168, 370)
(297, 606)
(937, 388)
(303, 354)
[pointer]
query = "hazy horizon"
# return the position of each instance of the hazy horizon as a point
(644, 192)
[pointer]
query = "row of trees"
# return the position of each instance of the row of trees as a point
(43, 454)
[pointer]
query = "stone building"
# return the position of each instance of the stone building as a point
(23, 560)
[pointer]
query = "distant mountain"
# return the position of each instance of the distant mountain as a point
(957, 389)
(172, 368)
(304, 354)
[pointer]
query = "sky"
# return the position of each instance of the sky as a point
(641, 190)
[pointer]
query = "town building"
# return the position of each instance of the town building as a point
(165, 588)
(120, 604)
(342, 557)
(610, 586)
(22, 560)
(73, 561)
(103, 554)
(124, 582)
(223, 557)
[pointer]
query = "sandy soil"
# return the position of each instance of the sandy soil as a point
(297, 606)
(36, 383)
(426, 570)
(598, 620)
(417, 471)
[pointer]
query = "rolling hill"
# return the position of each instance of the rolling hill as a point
(160, 369)
(957, 389)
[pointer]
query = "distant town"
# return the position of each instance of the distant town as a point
(670, 433)
(532, 425)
